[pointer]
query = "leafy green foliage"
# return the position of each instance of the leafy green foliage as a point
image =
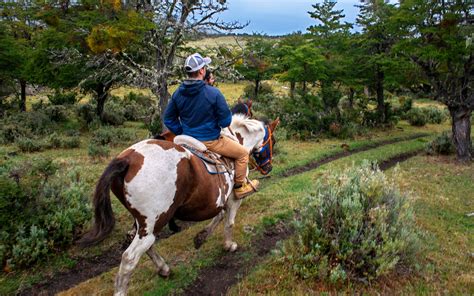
(112, 136)
(62, 98)
(42, 209)
(417, 117)
(96, 151)
(443, 144)
(356, 225)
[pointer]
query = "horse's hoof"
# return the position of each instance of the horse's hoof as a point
(165, 272)
(200, 238)
(231, 247)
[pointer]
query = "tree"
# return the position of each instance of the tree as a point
(436, 37)
(330, 35)
(303, 63)
(283, 63)
(175, 20)
(376, 40)
(18, 18)
(257, 63)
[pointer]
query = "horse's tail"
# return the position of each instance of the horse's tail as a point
(104, 217)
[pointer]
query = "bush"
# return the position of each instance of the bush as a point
(264, 89)
(114, 112)
(154, 124)
(59, 98)
(443, 145)
(70, 142)
(9, 132)
(416, 117)
(30, 144)
(356, 225)
(112, 136)
(87, 112)
(42, 209)
(56, 113)
(97, 151)
(137, 106)
(434, 115)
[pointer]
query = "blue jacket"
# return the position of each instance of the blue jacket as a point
(197, 110)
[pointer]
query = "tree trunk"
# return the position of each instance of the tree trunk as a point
(380, 99)
(292, 88)
(351, 98)
(461, 127)
(163, 95)
(257, 87)
(304, 86)
(102, 92)
(22, 95)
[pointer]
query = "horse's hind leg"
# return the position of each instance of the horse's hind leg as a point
(130, 259)
(163, 268)
(201, 237)
(232, 207)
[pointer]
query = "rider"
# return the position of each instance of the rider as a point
(200, 111)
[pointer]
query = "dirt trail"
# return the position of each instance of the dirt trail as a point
(216, 280)
(87, 268)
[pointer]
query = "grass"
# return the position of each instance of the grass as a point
(90, 171)
(440, 192)
(276, 196)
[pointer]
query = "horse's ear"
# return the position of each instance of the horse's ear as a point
(274, 123)
(249, 103)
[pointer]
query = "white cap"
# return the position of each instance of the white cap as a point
(195, 62)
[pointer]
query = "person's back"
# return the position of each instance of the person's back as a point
(200, 111)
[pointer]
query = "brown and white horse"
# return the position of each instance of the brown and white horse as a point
(157, 180)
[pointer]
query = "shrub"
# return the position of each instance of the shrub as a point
(59, 98)
(41, 210)
(264, 89)
(97, 151)
(356, 225)
(443, 145)
(70, 142)
(114, 112)
(434, 115)
(416, 117)
(10, 131)
(30, 144)
(86, 112)
(154, 124)
(406, 104)
(137, 106)
(56, 113)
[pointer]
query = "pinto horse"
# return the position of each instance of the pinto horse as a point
(157, 180)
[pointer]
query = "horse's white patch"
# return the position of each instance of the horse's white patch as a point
(152, 190)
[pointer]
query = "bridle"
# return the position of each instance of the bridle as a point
(265, 150)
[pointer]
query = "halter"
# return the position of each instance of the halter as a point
(265, 150)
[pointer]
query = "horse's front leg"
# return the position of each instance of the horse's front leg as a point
(232, 207)
(201, 237)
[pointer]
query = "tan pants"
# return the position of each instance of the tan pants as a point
(228, 148)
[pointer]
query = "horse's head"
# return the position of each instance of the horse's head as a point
(258, 137)
(243, 107)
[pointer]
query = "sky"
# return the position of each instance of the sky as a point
(280, 17)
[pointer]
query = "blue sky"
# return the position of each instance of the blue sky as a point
(279, 17)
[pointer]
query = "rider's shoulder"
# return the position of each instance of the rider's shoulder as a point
(212, 90)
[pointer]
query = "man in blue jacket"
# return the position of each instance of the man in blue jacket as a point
(201, 111)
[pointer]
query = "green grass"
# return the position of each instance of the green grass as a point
(442, 194)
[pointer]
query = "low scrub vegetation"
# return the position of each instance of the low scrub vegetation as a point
(42, 209)
(442, 145)
(355, 226)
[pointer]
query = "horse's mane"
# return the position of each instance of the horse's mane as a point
(241, 120)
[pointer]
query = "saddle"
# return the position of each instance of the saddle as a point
(213, 162)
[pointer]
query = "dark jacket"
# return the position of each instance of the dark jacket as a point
(197, 110)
